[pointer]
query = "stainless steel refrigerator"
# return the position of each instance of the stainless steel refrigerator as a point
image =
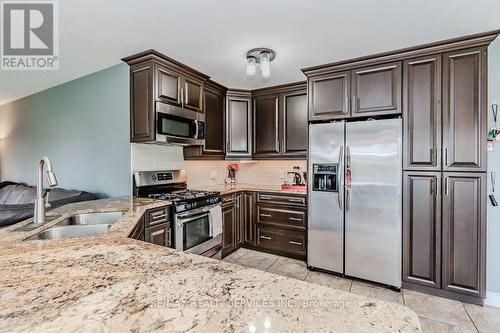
(354, 193)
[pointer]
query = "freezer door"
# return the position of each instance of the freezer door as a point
(373, 222)
(326, 202)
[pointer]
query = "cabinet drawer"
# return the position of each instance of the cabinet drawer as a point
(281, 217)
(157, 216)
(282, 199)
(281, 240)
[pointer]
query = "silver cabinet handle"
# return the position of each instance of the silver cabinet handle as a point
(159, 216)
(185, 95)
(265, 197)
(432, 156)
(295, 219)
(446, 156)
(295, 243)
(295, 200)
(182, 95)
(265, 215)
(446, 185)
(347, 104)
(265, 237)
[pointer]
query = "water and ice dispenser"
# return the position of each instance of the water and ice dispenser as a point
(325, 177)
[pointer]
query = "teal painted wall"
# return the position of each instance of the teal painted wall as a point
(81, 125)
(493, 253)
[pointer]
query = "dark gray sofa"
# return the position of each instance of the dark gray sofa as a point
(17, 200)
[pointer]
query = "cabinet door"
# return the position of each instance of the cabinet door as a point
(168, 86)
(238, 127)
(142, 104)
(214, 122)
(249, 215)
(159, 234)
(422, 113)
(266, 126)
(464, 110)
(422, 228)
(240, 219)
(228, 228)
(464, 233)
(376, 90)
(329, 96)
(295, 124)
(193, 94)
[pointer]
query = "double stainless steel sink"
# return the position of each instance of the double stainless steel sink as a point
(80, 225)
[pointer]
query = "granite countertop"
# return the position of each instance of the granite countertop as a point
(112, 283)
(226, 189)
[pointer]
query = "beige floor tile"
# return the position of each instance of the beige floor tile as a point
(289, 267)
(486, 318)
(329, 280)
(236, 255)
(374, 291)
(258, 260)
(438, 308)
(434, 326)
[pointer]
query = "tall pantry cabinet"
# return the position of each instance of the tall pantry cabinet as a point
(444, 161)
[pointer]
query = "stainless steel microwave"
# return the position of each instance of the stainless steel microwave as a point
(175, 125)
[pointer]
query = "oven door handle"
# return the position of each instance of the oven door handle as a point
(196, 212)
(182, 220)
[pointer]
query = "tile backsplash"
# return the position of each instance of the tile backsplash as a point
(201, 173)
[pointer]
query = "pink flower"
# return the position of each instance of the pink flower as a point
(233, 166)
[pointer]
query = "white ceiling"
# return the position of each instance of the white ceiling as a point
(214, 35)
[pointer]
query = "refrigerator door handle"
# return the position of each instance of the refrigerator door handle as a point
(340, 176)
(348, 177)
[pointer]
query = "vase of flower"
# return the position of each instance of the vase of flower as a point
(231, 171)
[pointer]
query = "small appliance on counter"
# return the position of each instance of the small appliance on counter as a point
(196, 215)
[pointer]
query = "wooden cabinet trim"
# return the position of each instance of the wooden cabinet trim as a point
(257, 127)
(142, 105)
(285, 150)
(327, 114)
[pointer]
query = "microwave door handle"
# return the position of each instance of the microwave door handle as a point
(196, 129)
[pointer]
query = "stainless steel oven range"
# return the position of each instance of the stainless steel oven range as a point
(196, 214)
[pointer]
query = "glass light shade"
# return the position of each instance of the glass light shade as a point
(265, 65)
(251, 68)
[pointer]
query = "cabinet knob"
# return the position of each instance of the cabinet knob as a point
(295, 243)
(265, 237)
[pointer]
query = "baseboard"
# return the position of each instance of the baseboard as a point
(492, 299)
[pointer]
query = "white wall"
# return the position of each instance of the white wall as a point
(493, 253)
(82, 126)
(157, 157)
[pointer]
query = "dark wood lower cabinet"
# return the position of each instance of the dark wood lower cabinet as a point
(464, 233)
(444, 234)
(277, 228)
(422, 228)
(158, 234)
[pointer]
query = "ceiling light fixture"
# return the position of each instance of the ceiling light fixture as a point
(262, 56)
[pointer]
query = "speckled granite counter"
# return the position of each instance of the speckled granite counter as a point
(226, 189)
(111, 283)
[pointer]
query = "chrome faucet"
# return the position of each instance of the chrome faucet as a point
(42, 200)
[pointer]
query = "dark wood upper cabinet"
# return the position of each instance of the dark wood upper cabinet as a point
(422, 228)
(266, 126)
(464, 110)
(169, 86)
(214, 106)
(295, 133)
(142, 118)
(376, 90)
(280, 122)
(329, 96)
(238, 124)
(154, 77)
(464, 233)
(422, 113)
(193, 94)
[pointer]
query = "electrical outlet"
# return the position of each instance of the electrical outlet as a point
(282, 174)
(213, 175)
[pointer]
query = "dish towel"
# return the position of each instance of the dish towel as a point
(216, 217)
